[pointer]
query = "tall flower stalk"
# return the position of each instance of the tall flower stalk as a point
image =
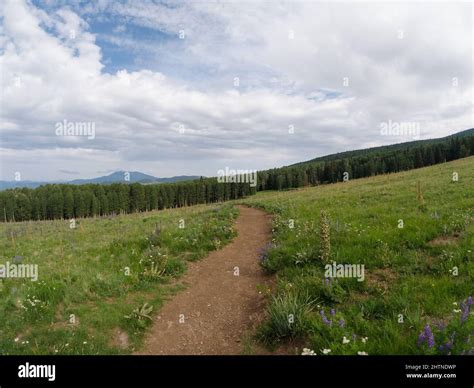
(426, 336)
(325, 238)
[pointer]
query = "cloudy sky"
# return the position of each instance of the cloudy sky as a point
(174, 88)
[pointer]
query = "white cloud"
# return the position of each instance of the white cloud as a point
(49, 75)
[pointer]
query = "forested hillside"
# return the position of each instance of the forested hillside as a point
(369, 162)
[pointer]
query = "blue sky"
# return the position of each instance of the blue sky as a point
(228, 92)
(106, 26)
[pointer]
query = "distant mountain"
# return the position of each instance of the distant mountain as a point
(116, 177)
(12, 184)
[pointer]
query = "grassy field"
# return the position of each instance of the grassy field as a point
(414, 234)
(97, 281)
(412, 231)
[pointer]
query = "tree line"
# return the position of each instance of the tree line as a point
(65, 201)
(365, 163)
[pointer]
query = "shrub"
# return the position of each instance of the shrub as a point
(288, 317)
(140, 317)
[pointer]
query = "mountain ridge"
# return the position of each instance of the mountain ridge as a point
(139, 177)
(115, 177)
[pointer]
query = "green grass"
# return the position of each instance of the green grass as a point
(85, 302)
(95, 279)
(408, 283)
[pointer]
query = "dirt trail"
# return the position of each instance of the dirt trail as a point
(219, 308)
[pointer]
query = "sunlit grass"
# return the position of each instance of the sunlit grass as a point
(93, 276)
(409, 278)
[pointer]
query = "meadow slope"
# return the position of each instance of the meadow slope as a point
(100, 283)
(413, 232)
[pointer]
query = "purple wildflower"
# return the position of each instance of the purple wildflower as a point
(431, 342)
(333, 312)
(426, 335)
(341, 323)
(327, 281)
(466, 309)
(429, 336)
(421, 338)
(446, 347)
(265, 252)
(325, 320)
(428, 331)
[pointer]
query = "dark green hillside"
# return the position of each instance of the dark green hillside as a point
(369, 162)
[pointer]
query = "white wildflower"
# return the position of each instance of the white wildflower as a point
(308, 352)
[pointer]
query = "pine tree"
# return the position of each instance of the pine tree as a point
(137, 197)
(79, 205)
(55, 203)
(22, 207)
(68, 202)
